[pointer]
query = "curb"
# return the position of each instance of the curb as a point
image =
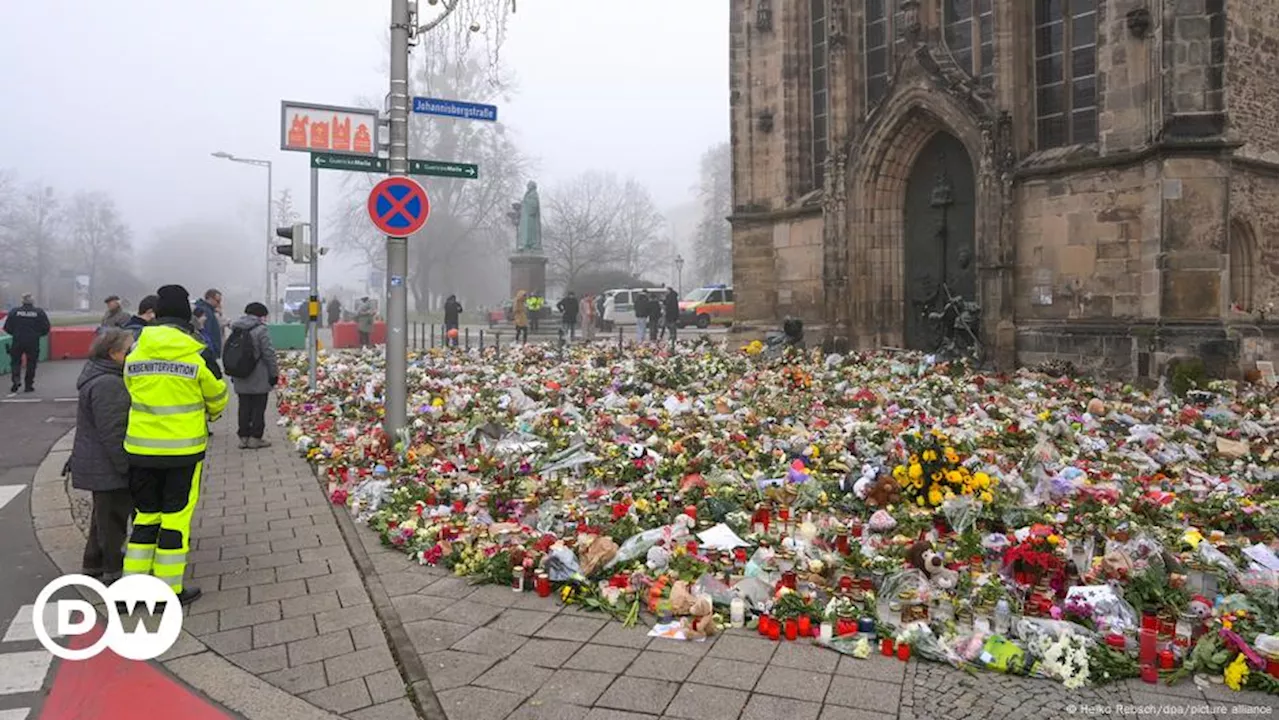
(189, 661)
(412, 671)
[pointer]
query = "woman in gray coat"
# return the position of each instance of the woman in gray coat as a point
(253, 389)
(98, 461)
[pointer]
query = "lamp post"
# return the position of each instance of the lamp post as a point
(679, 274)
(266, 289)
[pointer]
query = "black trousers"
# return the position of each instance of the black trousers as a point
(654, 324)
(364, 338)
(253, 413)
(32, 354)
(108, 528)
(522, 333)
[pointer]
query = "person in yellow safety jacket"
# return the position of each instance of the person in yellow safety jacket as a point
(534, 303)
(174, 396)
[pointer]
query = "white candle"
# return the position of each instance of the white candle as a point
(737, 613)
(824, 633)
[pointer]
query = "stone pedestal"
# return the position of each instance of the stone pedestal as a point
(528, 273)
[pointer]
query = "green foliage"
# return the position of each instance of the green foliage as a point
(1187, 374)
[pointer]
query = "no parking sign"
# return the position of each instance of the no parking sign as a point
(398, 206)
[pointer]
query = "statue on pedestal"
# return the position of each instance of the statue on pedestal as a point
(526, 215)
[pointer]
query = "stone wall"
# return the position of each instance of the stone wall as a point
(1087, 245)
(1193, 35)
(1254, 212)
(1195, 197)
(1252, 52)
(797, 246)
(754, 287)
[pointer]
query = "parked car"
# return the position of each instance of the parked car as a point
(707, 305)
(619, 306)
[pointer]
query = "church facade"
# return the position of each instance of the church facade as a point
(1086, 180)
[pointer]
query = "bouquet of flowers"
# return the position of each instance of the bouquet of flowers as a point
(934, 472)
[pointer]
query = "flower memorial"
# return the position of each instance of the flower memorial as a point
(1081, 531)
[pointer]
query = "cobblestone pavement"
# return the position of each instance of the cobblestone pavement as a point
(282, 597)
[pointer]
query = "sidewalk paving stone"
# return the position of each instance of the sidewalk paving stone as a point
(796, 684)
(450, 669)
(602, 658)
(702, 702)
(575, 687)
(564, 627)
(864, 694)
(722, 672)
(483, 641)
(473, 703)
(520, 622)
(768, 707)
(662, 666)
(546, 653)
(515, 677)
(638, 695)
(540, 710)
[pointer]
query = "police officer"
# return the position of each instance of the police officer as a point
(174, 396)
(27, 324)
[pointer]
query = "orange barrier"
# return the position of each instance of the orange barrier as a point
(70, 343)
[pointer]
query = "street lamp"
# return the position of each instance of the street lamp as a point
(679, 271)
(266, 290)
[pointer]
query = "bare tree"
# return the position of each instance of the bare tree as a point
(29, 242)
(580, 226)
(98, 234)
(284, 211)
(713, 240)
(637, 232)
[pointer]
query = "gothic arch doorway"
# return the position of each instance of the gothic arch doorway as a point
(939, 254)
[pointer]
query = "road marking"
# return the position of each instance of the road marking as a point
(16, 714)
(22, 629)
(23, 672)
(8, 493)
(65, 399)
(21, 400)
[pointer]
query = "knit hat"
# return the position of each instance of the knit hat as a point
(173, 301)
(256, 309)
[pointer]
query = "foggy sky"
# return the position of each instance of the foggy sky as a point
(130, 97)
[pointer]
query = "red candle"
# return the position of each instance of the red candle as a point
(763, 627)
(1273, 667)
(775, 630)
(691, 547)
(791, 628)
(544, 585)
(1150, 622)
(1168, 628)
(845, 626)
(691, 511)
(1147, 646)
(806, 626)
(846, 585)
(789, 579)
(904, 652)
(459, 506)
(842, 541)
(886, 647)
(1166, 660)
(1150, 674)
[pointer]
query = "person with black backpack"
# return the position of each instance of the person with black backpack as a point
(249, 359)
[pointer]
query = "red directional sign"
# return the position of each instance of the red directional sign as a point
(398, 206)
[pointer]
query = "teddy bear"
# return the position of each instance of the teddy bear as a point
(701, 622)
(928, 561)
(681, 599)
(883, 491)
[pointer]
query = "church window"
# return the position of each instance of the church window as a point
(878, 42)
(1240, 267)
(1066, 60)
(818, 83)
(969, 30)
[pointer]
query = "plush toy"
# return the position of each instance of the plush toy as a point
(881, 522)
(701, 622)
(883, 491)
(928, 561)
(681, 599)
(596, 553)
(657, 557)
(1117, 564)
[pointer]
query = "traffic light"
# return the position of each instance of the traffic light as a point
(296, 248)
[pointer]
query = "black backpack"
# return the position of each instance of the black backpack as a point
(239, 357)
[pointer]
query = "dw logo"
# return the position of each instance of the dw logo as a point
(144, 617)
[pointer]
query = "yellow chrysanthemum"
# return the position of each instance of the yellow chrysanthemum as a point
(935, 495)
(955, 478)
(982, 480)
(916, 472)
(985, 496)
(1236, 673)
(930, 455)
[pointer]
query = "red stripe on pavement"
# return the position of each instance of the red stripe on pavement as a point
(108, 686)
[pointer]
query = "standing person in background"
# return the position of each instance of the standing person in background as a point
(640, 304)
(335, 311)
(98, 461)
(587, 316)
(27, 324)
(364, 320)
(654, 303)
(145, 316)
(568, 307)
(255, 373)
(173, 398)
(115, 316)
(671, 312)
(200, 323)
(452, 316)
(520, 316)
(211, 304)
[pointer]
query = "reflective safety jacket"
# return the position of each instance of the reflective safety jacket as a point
(174, 397)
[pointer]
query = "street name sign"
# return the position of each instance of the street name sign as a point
(357, 163)
(305, 127)
(455, 109)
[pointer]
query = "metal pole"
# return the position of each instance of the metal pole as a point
(266, 289)
(313, 307)
(397, 392)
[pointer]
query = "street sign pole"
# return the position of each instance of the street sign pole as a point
(313, 307)
(396, 392)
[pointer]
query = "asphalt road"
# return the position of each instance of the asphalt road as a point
(30, 423)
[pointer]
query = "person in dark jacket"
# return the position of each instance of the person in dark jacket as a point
(210, 304)
(655, 315)
(145, 316)
(568, 307)
(671, 311)
(334, 310)
(640, 304)
(27, 324)
(253, 391)
(98, 460)
(115, 316)
(452, 315)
